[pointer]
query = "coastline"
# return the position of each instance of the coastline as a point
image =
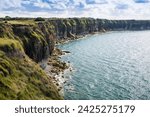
(56, 68)
(77, 37)
(37, 40)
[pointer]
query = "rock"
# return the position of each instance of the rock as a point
(59, 89)
(65, 82)
(65, 51)
(57, 84)
(43, 66)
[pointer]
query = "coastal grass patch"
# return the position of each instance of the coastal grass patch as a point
(6, 31)
(9, 45)
(22, 22)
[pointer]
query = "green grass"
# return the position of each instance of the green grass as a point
(10, 45)
(22, 22)
(20, 77)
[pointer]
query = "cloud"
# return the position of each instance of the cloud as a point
(41, 4)
(4, 4)
(96, 2)
(110, 9)
(141, 1)
(122, 6)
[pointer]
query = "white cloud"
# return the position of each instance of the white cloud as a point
(110, 9)
(41, 4)
(4, 4)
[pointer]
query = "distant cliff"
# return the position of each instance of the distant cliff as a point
(24, 42)
(73, 27)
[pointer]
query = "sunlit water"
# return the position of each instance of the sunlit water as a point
(113, 65)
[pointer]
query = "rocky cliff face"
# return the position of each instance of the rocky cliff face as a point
(21, 77)
(72, 27)
(39, 38)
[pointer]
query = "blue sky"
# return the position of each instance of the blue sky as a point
(109, 9)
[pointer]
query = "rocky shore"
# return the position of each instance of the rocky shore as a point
(55, 68)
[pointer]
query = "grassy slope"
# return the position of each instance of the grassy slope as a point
(10, 45)
(21, 22)
(20, 77)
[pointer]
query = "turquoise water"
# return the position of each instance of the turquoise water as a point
(113, 65)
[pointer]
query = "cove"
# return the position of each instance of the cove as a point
(113, 65)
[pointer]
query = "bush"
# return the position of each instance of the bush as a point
(7, 17)
(39, 19)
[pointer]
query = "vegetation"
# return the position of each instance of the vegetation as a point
(9, 45)
(20, 77)
(7, 17)
(22, 22)
(39, 19)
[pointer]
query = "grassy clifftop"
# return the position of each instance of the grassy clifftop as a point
(20, 77)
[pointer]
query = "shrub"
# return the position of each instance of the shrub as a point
(7, 17)
(39, 19)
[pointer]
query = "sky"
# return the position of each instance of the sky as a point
(105, 9)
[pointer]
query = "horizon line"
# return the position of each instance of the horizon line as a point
(69, 18)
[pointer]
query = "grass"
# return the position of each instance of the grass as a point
(10, 45)
(24, 79)
(20, 77)
(22, 22)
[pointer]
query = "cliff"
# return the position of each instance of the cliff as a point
(38, 37)
(73, 27)
(24, 42)
(20, 77)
